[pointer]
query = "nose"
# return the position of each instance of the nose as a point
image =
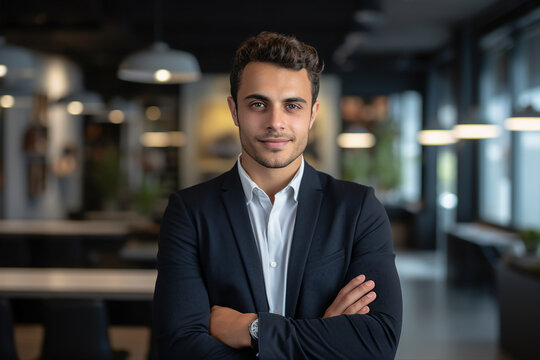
(275, 120)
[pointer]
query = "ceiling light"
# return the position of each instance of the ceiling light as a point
(163, 139)
(83, 102)
(436, 137)
(7, 101)
(153, 113)
(358, 138)
(477, 131)
(15, 62)
(473, 127)
(160, 65)
(527, 120)
(75, 108)
(116, 116)
(16, 98)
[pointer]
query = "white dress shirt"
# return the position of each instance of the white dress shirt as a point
(273, 227)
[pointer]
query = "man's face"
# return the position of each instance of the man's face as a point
(274, 113)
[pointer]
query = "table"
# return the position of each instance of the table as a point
(59, 243)
(58, 228)
(474, 251)
(106, 284)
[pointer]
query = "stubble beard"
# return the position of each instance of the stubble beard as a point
(269, 162)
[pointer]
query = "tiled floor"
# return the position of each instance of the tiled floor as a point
(441, 322)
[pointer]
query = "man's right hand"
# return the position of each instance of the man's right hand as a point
(354, 298)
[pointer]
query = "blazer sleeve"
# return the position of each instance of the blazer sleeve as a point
(371, 336)
(181, 309)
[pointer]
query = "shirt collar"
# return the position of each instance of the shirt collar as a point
(249, 185)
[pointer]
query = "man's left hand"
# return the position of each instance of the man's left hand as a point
(230, 326)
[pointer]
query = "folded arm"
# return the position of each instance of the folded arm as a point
(181, 304)
(348, 330)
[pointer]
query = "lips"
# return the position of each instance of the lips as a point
(274, 143)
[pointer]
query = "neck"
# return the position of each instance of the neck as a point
(270, 180)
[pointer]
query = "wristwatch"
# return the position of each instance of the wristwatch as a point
(253, 328)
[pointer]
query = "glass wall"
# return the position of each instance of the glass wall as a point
(392, 164)
(527, 85)
(496, 106)
(509, 165)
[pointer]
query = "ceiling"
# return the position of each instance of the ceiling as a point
(98, 34)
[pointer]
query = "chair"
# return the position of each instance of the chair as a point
(77, 329)
(7, 344)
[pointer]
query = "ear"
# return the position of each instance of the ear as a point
(314, 111)
(233, 110)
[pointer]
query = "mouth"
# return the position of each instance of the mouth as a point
(273, 143)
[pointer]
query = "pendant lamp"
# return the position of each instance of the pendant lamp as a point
(526, 120)
(15, 62)
(357, 138)
(473, 127)
(160, 64)
(83, 103)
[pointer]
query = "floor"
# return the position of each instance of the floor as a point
(442, 322)
(439, 322)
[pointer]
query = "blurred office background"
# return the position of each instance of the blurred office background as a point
(434, 103)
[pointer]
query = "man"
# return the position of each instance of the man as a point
(273, 258)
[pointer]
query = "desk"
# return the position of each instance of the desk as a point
(59, 243)
(107, 284)
(474, 252)
(57, 228)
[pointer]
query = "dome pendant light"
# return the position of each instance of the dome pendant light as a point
(160, 64)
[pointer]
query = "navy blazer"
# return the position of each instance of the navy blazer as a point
(208, 256)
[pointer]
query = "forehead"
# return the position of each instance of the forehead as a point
(269, 79)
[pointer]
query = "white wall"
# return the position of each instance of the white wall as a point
(56, 77)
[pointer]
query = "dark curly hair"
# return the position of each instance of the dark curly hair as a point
(284, 51)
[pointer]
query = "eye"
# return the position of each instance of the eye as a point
(257, 105)
(293, 107)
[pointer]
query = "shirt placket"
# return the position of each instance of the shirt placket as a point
(274, 239)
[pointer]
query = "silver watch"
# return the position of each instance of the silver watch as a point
(254, 333)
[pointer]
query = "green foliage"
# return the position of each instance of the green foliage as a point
(531, 239)
(378, 166)
(106, 173)
(146, 197)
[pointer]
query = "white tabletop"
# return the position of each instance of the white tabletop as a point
(64, 227)
(112, 284)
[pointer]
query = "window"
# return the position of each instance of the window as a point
(509, 166)
(527, 180)
(495, 101)
(392, 164)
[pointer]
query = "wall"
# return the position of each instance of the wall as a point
(55, 78)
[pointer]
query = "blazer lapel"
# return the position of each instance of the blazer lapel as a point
(307, 214)
(234, 200)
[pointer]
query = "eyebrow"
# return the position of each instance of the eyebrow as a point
(265, 98)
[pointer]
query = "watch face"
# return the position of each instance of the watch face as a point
(254, 328)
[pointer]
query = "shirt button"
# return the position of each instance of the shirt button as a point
(273, 264)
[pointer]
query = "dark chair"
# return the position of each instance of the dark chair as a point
(77, 329)
(7, 344)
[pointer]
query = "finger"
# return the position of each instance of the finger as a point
(355, 294)
(349, 295)
(359, 306)
(352, 284)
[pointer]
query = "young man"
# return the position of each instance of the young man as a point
(273, 257)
